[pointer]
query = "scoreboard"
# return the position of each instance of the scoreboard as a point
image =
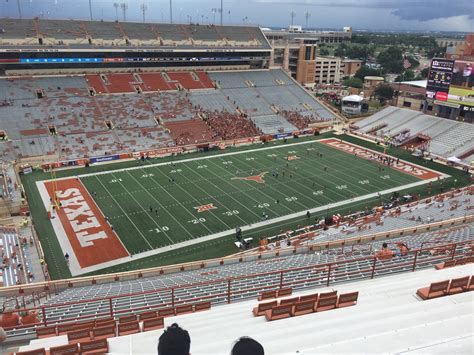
(439, 79)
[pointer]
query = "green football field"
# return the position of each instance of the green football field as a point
(159, 204)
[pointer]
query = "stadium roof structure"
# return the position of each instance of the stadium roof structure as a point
(102, 34)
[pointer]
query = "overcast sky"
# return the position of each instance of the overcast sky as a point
(432, 15)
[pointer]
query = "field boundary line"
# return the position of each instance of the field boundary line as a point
(249, 227)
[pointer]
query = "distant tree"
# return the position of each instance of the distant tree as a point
(407, 75)
(424, 73)
(366, 71)
(383, 92)
(353, 82)
(435, 52)
(414, 63)
(391, 60)
(324, 51)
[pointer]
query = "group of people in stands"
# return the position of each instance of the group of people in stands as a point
(176, 341)
(385, 253)
(297, 119)
(10, 318)
(230, 125)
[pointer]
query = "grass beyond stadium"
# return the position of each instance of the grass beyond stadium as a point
(157, 203)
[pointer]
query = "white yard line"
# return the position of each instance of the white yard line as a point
(59, 230)
(164, 208)
(249, 227)
(76, 270)
(125, 214)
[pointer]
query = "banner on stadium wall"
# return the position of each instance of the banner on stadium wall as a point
(282, 135)
(104, 158)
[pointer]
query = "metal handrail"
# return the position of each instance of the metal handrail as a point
(329, 272)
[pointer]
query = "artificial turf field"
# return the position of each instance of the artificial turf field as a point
(224, 246)
(155, 205)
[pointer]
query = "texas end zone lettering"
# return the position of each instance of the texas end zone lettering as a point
(367, 154)
(92, 239)
(81, 217)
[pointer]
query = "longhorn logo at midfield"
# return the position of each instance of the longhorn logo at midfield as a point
(203, 208)
(257, 178)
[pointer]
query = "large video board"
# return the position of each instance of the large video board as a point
(460, 90)
(439, 79)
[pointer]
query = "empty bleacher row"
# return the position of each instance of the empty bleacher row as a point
(75, 117)
(447, 138)
(393, 318)
(450, 206)
(103, 33)
(14, 268)
(247, 279)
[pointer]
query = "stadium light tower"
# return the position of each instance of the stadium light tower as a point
(222, 11)
(214, 11)
(124, 8)
(143, 7)
(292, 15)
(90, 8)
(171, 11)
(116, 5)
(19, 8)
(307, 15)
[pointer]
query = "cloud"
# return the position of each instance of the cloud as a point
(419, 10)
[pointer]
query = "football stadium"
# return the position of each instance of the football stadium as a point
(153, 171)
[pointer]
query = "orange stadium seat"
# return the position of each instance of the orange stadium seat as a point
(103, 332)
(284, 292)
(147, 315)
(99, 346)
(328, 294)
(44, 332)
(458, 285)
(165, 312)
(78, 336)
(128, 328)
(64, 349)
(304, 307)
(202, 306)
(183, 309)
(278, 312)
(41, 351)
(470, 286)
(263, 307)
(153, 323)
(325, 303)
(312, 297)
(347, 299)
(436, 289)
(291, 300)
(127, 319)
(265, 295)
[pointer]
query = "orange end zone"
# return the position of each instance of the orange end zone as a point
(402, 166)
(92, 240)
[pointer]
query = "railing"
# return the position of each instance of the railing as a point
(59, 285)
(228, 289)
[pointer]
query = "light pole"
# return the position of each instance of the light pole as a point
(171, 11)
(214, 11)
(307, 15)
(19, 8)
(292, 15)
(143, 7)
(124, 7)
(116, 5)
(222, 12)
(90, 9)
